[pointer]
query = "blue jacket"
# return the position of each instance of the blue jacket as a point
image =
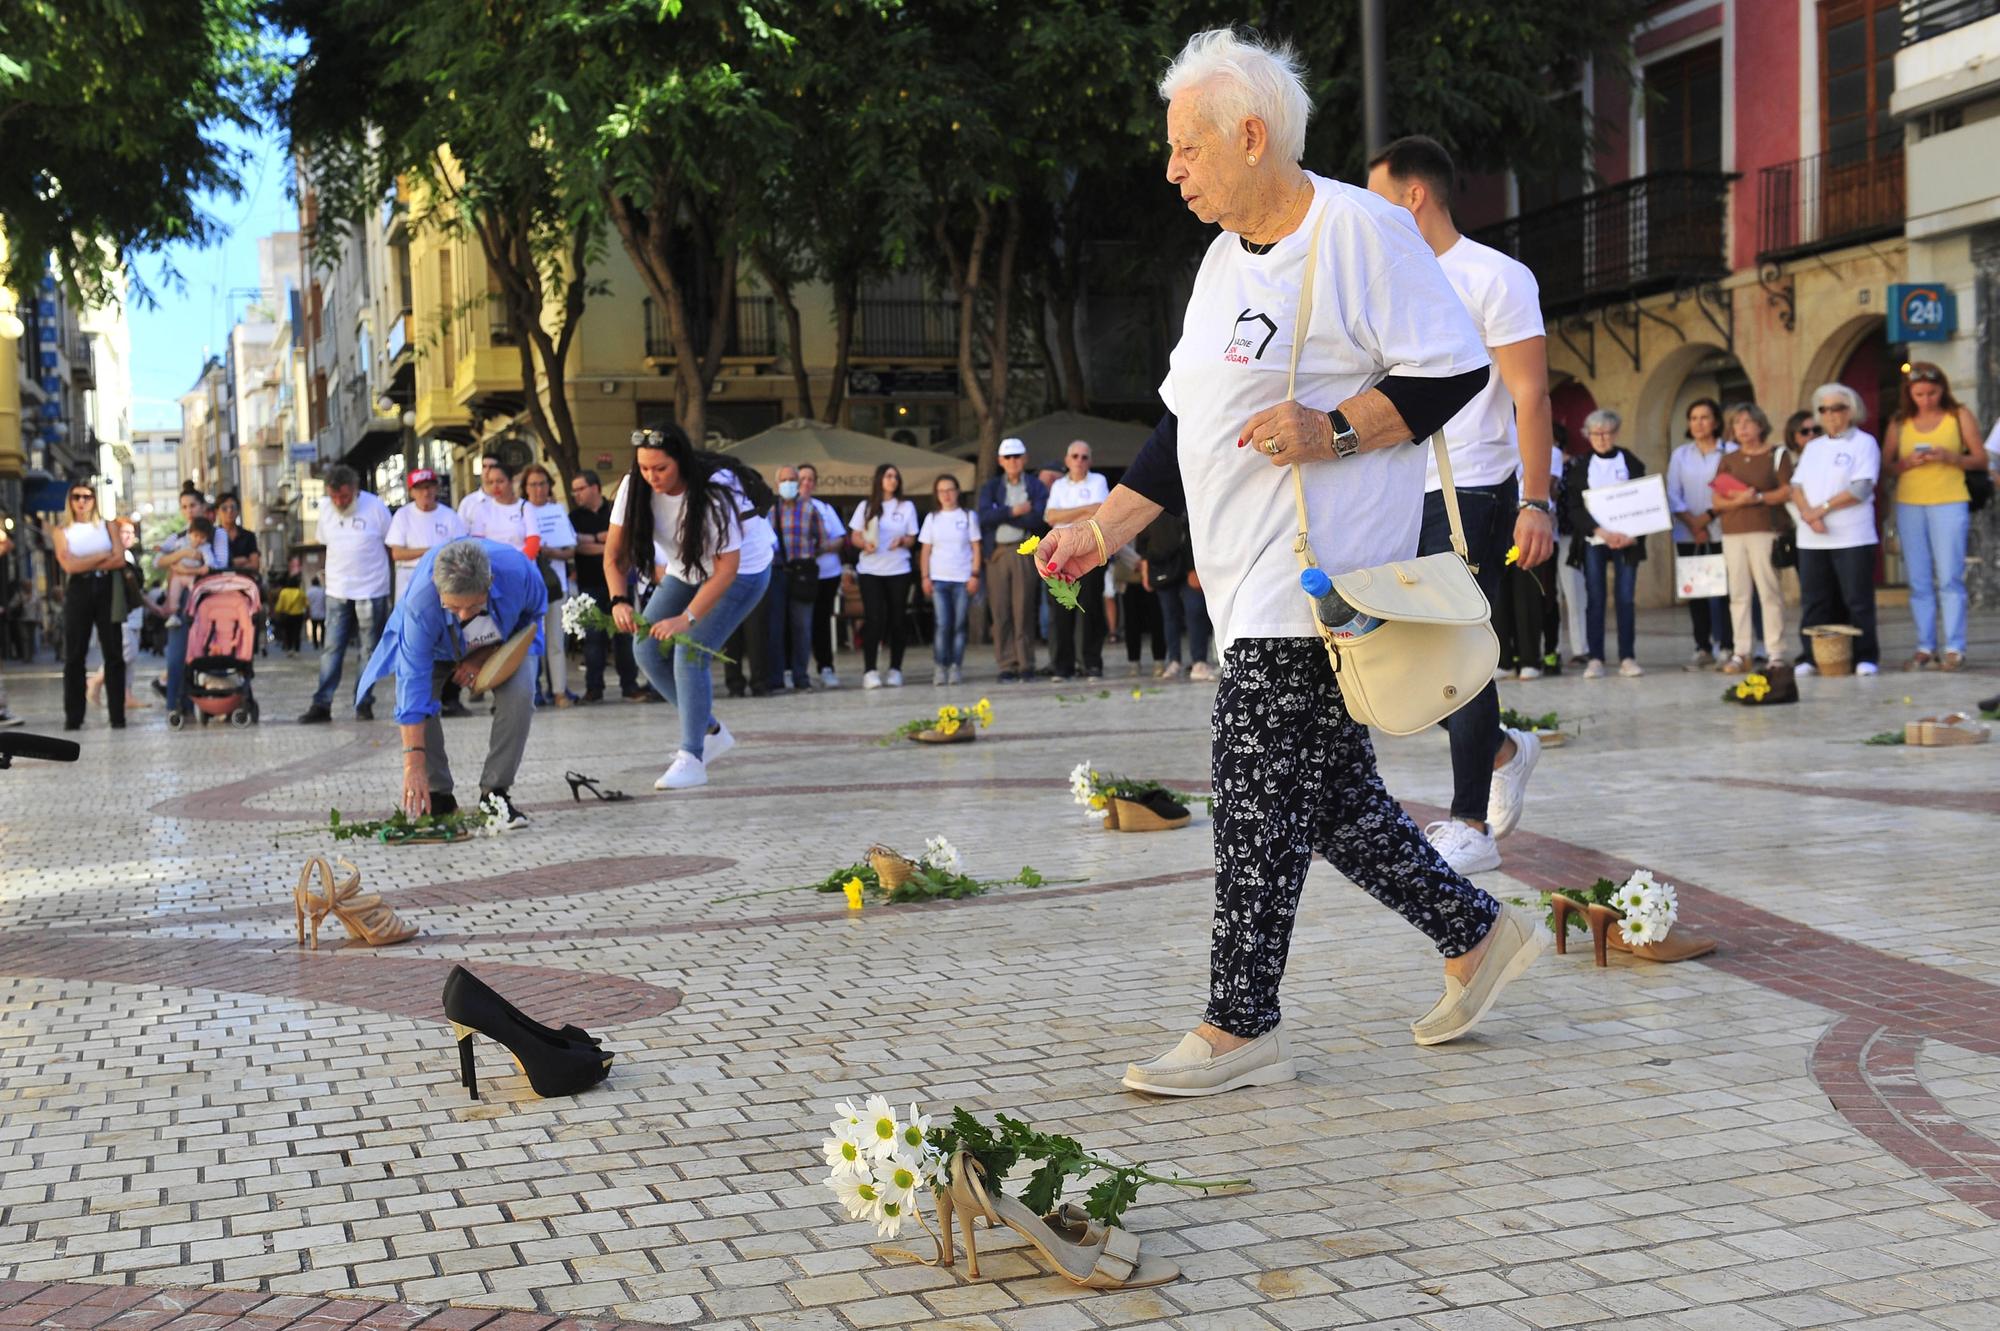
(993, 508)
(421, 632)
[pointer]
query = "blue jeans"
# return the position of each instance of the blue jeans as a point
(1488, 512)
(688, 683)
(1184, 608)
(1597, 558)
(798, 638)
(1934, 552)
(177, 651)
(345, 621)
(953, 609)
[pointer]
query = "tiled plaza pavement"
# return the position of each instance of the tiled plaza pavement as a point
(205, 1128)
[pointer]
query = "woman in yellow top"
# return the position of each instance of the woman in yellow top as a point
(1930, 446)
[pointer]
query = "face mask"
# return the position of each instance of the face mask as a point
(788, 489)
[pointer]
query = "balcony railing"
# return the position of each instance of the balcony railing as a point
(1646, 234)
(1925, 19)
(752, 331)
(899, 329)
(1843, 196)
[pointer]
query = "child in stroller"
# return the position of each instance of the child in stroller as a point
(222, 641)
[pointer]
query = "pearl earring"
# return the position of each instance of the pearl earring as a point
(1253, 159)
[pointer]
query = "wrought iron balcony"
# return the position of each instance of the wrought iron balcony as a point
(1843, 196)
(753, 333)
(1651, 233)
(1925, 19)
(906, 329)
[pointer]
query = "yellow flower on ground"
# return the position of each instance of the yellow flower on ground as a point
(1137, 694)
(947, 713)
(948, 726)
(1513, 554)
(852, 887)
(983, 712)
(1097, 801)
(1753, 687)
(1029, 546)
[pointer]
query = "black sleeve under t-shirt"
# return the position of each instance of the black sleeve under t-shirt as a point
(589, 569)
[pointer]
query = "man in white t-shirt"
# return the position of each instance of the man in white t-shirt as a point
(420, 525)
(1075, 497)
(354, 527)
(1500, 445)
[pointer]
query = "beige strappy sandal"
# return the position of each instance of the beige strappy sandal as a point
(1080, 1251)
(368, 919)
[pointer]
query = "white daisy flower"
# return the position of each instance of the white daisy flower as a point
(845, 1157)
(858, 1196)
(914, 1132)
(897, 1180)
(890, 1217)
(1080, 783)
(941, 854)
(880, 1130)
(1638, 930)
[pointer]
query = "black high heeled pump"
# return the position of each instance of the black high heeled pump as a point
(562, 1062)
(579, 783)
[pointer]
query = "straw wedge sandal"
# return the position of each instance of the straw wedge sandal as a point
(368, 918)
(1080, 1251)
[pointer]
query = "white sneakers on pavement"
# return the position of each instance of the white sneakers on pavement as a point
(716, 743)
(1867, 668)
(1593, 669)
(1630, 669)
(1193, 1068)
(1510, 784)
(894, 679)
(687, 771)
(1466, 849)
(829, 680)
(872, 680)
(957, 675)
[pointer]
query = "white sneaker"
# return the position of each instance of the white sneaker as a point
(829, 680)
(1529, 672)
(1502, 674)
(1594, 669)
(1867, 668)
(1804, 668)
(716, 743)
(1172, 670)
(938, 676)
(1510, 783)
(894, 679)
(1467, 850)
(957, 675)
(1630, 669)
(687, 770)
(872, 680)
(1201, 672)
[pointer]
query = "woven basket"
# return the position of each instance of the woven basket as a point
(965, 734)
(890, 867)
(1132, 816)
(1833, 648)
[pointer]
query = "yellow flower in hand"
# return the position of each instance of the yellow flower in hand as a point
(1029, 546)
(852, 887)
(1513, 554)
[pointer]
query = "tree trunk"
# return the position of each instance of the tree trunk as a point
(846, 298)
(645, 232)
(781, 291)
(1062, 310)
(966, 273)
(1001, 359)
(544, 357)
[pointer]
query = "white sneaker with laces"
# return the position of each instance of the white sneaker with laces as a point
(1466, 849)
(872, 680)
(829, 680)
(894, 679)
(1867, 668)
(957, 675)
(686, 771)
(1510, 784)
(716, 743)
(1630, 669)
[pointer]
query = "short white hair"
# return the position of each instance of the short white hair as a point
(462, 569)
(1604, 418)
(1244, 78)
(1841, 391)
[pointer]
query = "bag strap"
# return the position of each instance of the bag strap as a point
(1302, 545)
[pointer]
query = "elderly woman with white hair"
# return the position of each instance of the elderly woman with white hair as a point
(465, 599)
(1833, 495)
(1387, 355)
(1600, 550)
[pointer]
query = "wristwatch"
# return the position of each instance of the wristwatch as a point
(1346, 443)
(692, 618)
(1542, 506)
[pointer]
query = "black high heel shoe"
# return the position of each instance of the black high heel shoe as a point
(561, 1062)
(578, 783)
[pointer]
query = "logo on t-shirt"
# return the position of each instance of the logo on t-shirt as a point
(1252, 330)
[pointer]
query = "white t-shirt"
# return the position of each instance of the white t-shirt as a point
(760, 542)
(414, 529)
(1506, 307)
(1824, 469)
(899, 518)
(668, 511)
(1066, 493)
(1603, 470)
(1381, 305)
(951, 535)
(494, 521)
(829, 561)
(357, 550)
(551, 523)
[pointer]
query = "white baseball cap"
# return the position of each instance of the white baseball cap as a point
(1013, 448)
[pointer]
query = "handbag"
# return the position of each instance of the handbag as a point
(1979, 488)
(1435, 649)
(1700, 577)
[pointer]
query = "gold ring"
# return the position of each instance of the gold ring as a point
(1271, 445)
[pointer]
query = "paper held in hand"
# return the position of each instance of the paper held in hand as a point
(1636, 508)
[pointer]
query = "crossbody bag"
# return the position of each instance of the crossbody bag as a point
(1435, 648)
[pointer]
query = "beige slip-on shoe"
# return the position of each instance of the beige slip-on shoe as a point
(1194, 1068)
(1518, 938)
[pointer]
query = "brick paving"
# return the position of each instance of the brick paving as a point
(203, 1127)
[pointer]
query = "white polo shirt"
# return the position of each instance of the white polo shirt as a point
(414, 529)
(357, 547)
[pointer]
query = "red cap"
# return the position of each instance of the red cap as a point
(422, 476)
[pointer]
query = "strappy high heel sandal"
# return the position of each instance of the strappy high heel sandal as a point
(579, 783)
(368, 919)
(1604, 935)
(1600, 919)
(1080, 1252)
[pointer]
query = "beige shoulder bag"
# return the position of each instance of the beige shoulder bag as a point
(1435, 648)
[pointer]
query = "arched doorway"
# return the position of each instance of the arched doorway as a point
(1569, 403)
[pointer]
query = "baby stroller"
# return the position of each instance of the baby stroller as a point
(222, 640)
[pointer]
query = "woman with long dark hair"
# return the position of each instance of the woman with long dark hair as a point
(1932, 443)
(885, 529)
(689, 534)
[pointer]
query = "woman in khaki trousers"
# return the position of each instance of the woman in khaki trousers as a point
(1752, 515)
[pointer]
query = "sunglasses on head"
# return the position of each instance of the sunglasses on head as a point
(1926, 376)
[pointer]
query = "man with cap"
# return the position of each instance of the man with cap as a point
(418, 527)
(466, 598)
(1010, 511)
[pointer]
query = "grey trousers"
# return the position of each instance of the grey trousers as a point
(513, 709)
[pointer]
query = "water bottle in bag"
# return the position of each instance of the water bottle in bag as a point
(1341, 619)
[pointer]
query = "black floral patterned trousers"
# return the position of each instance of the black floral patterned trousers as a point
(1293, 774)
